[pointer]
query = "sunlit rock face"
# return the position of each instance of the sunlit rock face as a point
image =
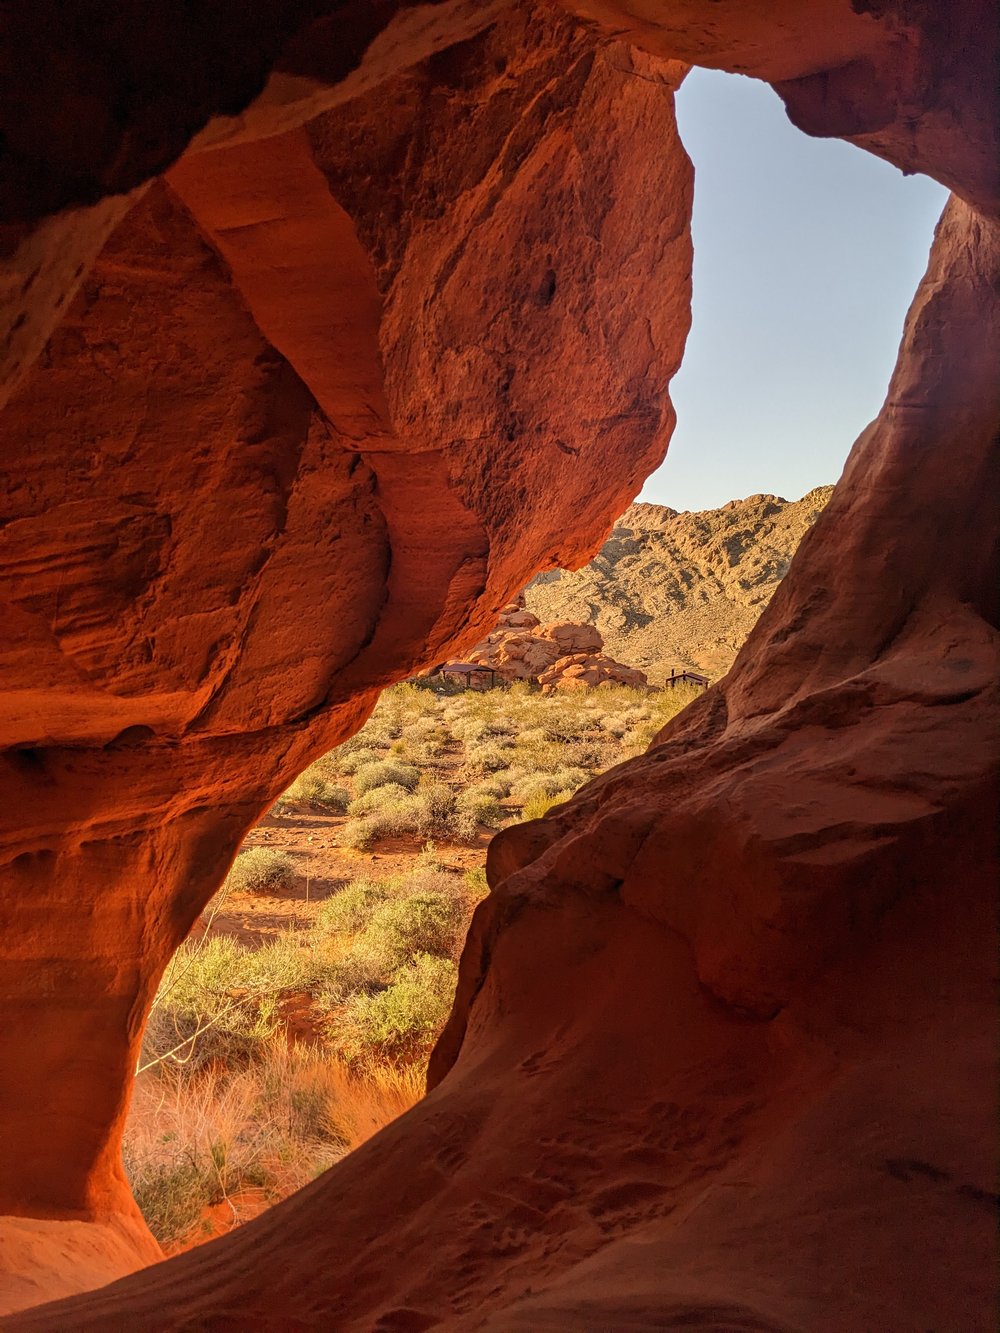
(267, 463)
(722, 1044)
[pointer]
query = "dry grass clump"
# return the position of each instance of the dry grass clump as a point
(219, 999)
(539, 805)
(261, 870)
(247, 1136)
(403, 1019)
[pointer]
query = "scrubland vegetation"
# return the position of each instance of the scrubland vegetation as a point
(267, 1058)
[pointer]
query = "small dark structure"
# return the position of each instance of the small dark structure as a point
(687, 678)
(470, 675)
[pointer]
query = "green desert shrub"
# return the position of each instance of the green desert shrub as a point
(541, 803)
(496, 785)
(383, 773)
(403, 1019)
(433, 807)
(548, 784)
(367, 965)
(314, 788)
(363, 832)
(348, 761)
(418, 923)
(475, 730)
(261, 870)
(349, 909)
(218, 999)
(376, 798)
(490, 757)
(425, 812)
(475, 882)
(171, 1195)
(475, 808)
(428, 859)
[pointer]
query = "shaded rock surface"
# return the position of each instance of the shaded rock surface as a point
(682, 590)
(263, 467)
(723, 1046)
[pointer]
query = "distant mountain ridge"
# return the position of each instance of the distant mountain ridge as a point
(681, 590)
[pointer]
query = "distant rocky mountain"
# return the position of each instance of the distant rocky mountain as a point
(681, 590)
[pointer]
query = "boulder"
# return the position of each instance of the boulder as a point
(585, 671)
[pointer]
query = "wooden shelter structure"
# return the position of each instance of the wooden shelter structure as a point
(686, 678)
(471, 675)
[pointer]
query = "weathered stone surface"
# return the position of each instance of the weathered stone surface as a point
(914, 83)
(236, 506)
(559, 655)
(681, 592)
(91, 111)
(725, 1027)
(562, 655)
(589, 671)
(723, 1046)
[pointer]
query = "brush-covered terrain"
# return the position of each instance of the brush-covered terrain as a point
(297, 1019)
(681, 590)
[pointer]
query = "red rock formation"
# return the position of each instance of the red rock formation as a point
(560, 655)
(231, 517)
(724, 1029)
(589, 671)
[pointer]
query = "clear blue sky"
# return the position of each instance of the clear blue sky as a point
(807, 253)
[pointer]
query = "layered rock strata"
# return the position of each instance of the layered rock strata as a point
(722, 1047)
(682, 591)
(262, 469)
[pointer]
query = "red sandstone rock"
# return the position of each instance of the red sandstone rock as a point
(724, 1042)
(245, 489)
(587, 671)
(560, 655)
(725, 1027)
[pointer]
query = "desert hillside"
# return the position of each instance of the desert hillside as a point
(681, 590)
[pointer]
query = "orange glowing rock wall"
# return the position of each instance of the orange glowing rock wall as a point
(396, 336)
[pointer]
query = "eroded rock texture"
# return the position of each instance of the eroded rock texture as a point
(721, 1046)
(266, 465)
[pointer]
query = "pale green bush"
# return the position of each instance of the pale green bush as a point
(496, 785)
(218, 999)
(478, 807)
(376, 798)
(388, 822)
(547, 784)
(383, 773)
(349, 909)
(417, 923)
(348, 761)
(405, 1018)
(490, 757)
(313, 788)
(261, 870)
(475, 882)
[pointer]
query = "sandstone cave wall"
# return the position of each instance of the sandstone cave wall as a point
(750, 966)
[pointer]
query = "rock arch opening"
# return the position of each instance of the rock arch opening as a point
(806, 257)
(776, 880)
